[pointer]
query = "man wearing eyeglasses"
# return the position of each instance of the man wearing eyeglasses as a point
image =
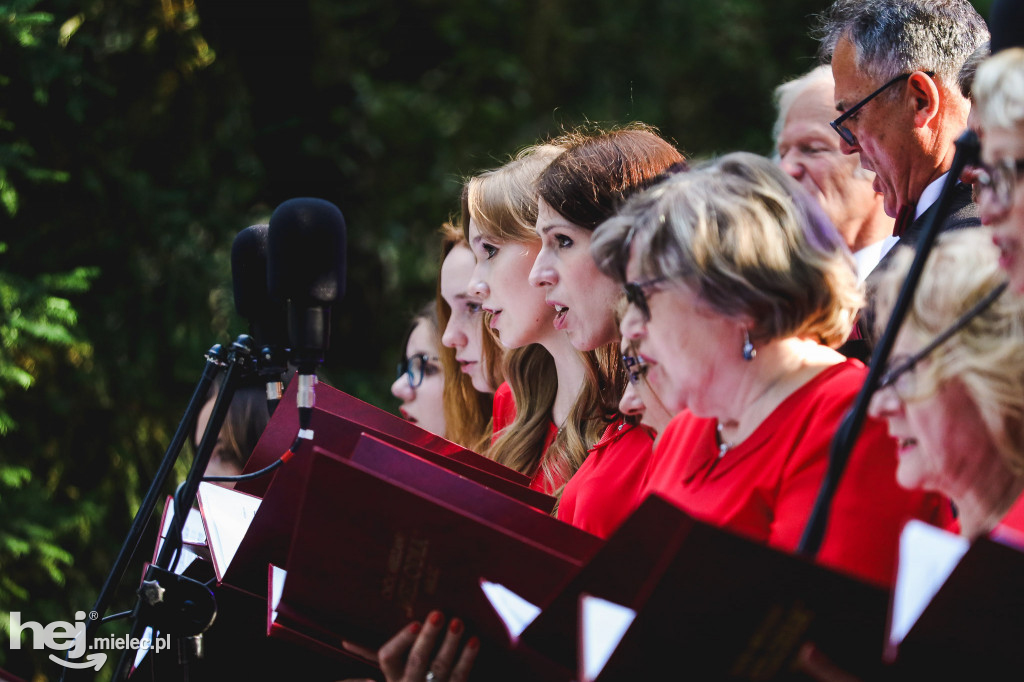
(895, 64)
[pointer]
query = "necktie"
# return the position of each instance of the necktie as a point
(904, 218)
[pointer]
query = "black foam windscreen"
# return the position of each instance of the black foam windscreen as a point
(306, 253)
(266, 317)
(306, 271)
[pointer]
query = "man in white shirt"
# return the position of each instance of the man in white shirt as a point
(895, 64)
(808, 150)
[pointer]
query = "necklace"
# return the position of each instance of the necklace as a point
(723, 445)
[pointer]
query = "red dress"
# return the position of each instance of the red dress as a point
(505, 414)
(765, 487)
(605, 489)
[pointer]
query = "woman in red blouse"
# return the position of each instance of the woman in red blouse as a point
(952, 397)
(739, 290)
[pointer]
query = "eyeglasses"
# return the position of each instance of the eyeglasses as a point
(636, 295)
(415, 367)
(635, 367)
(901, 377)
(1001, 179)
(844, 132)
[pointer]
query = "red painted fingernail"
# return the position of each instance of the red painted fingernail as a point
(436, 617)
(473, 643)
(456, 627)
(415, 628)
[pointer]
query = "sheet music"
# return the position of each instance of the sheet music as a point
(603, 625)
(227, 514)
(515, 612)
(192, 534)
(276, 588)
(927, 556)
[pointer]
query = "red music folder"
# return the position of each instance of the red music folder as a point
(371, 552)
(973, 626)
(320, 642)
(709, 605)
(337, 421)
(270, 533)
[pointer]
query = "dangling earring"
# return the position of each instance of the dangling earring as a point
(749, 352)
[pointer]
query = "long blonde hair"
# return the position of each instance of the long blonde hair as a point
(503, 204)
(467, 411)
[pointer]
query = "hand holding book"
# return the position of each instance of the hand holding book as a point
(406, 657)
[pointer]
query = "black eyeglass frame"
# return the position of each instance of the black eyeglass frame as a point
(636, 296)
(635, 367)
(1009, 170)
(406, 367)
(844, 132)
(893, 375)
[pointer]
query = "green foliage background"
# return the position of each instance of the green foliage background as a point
(137, 137)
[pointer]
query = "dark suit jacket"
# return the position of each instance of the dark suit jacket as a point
(962, 213)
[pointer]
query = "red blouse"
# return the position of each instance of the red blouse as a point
(605, 489)
(1014, 520)
(505, 414)
(765, 487)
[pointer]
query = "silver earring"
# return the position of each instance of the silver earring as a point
(749, 352)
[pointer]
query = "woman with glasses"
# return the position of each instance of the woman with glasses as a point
(420, 383)
(999, 96)
(640, 399)
(953, 397)
(739, 291)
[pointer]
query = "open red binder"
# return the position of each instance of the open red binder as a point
(667, 592)
(338, 420)
(973, 626)
(270, 534)
(373, 550)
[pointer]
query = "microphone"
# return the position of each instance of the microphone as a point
(306, 270)
(266, 316)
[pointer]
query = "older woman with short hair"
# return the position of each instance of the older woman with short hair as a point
(740, 289)
(999, 93)
(953, 396)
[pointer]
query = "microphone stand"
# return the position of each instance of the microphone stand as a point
(214, 360)
(169, 602)
(846, 435)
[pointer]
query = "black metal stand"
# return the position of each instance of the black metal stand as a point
(846, 434)
(214, 360)
(170, 603)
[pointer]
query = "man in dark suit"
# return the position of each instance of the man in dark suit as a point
(896, 64)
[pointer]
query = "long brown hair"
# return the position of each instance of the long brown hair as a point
(597, 171)
(467, 411)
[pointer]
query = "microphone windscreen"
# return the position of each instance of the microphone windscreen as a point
(306, 252)
(249, 270)
(266, 317)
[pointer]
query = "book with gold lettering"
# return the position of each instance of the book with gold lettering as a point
(374, 549)
(667, 592)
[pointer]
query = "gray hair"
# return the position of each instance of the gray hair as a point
(965, 79)
(900, 36)
(987, 355)
(999, 90)
(748, 240)
(788, 92)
